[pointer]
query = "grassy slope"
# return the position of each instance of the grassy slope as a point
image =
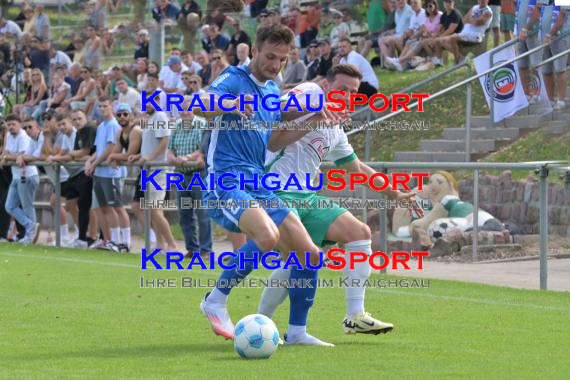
(82, 314)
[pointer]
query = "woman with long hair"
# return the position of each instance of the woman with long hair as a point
(86, 94)
(141, 70)
(39, 93)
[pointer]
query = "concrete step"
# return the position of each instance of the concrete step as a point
(477, 146)
(539, 109)
(483, 121)
(526, 121)
(481, 133)
(430, 157)
(557, 127)
(561, 115)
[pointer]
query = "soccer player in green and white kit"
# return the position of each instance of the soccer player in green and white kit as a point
(335, 224)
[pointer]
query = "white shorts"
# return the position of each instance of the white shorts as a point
(470, 37)
(496, 20)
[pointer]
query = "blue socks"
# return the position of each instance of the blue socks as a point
(302, 297)
(236, 275)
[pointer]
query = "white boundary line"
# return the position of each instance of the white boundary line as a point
(481, 301)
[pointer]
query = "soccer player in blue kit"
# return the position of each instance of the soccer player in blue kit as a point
(243, 151)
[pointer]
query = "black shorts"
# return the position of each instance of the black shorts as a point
(138, 192)
(76, 185)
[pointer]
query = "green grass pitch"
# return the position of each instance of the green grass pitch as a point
(82, 314)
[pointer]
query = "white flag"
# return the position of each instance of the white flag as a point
(509, 96)
(537, 88)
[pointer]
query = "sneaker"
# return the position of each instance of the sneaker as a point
(389, 63)
(462, 61)
(123, 248)
(365, 324)
(398, 65)
(97, 244)
(77, 243)
(25, 241)
(110, 246)
(219, 318)
(560, 104)
(533, 99)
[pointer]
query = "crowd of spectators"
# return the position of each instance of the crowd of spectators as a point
(74, 103)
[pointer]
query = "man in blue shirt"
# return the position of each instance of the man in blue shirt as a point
(243, 151)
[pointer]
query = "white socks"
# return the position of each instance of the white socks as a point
(116, 235)
(126, 236)
(64, 232)
(217, 297)
(298, 335)
(152, 236)
(361, 271)
(272, 297)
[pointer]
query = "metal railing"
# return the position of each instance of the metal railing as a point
(542, 169)
(468, 94)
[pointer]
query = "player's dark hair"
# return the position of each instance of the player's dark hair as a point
(152, 75)
(13, 117)
(61, 116)
(275, 34)
(346, 69)
(105, 98)
(345, 39)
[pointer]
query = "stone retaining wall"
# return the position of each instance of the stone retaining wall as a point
(517, 202)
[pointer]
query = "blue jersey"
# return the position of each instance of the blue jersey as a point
(241, 150)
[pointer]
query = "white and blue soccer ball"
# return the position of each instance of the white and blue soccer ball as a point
(256, 337)
(439, 227)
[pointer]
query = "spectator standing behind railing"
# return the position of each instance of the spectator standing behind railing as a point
(528, 26)
(55, 143)
(25, 179)
(495, 6)
(79, 187)
(107, 181)
(92, 51)
(554, 72)
(153, 148)
(183, 146)
(42, 27)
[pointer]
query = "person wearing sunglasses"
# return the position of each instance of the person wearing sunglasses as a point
(219, 63)
(193, 84)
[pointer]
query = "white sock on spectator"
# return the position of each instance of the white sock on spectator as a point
(126, 236)
(152, 236)
(115, 235)
(64, 232)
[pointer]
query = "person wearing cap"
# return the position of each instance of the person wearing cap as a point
(263, 19)
(171, 75)
(141, 51)
(107, 180)
(274, 16)
(340, 28)
(326, 56)
(128, 142)
(312, 61)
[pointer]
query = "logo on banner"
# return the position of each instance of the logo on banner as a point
(504, 82)
(534, 84)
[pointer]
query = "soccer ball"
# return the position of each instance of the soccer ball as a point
(256, 337)
(438, 228)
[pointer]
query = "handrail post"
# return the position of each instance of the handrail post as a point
(475, 244)
(383, 226)
(367, 159)
(57, 210)
(543, 226)
(468, 110)
(492, 89)
(147, 217)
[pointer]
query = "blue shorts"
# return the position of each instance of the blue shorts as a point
(228, 218)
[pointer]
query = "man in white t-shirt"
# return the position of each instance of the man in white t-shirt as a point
(475, 23)
(129, 96)
(10, 28)
(327, 225)
(369, 85)
(25, 179)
